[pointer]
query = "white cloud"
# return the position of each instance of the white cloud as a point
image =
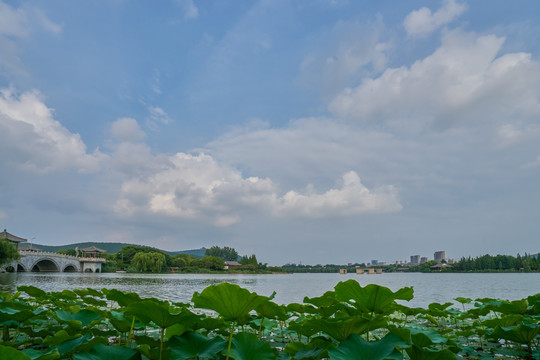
(198, 187)
(423, 22)
(13, 22)
(462, 81)
(36, 141)
(352, 198)
(189, 9)
(343, 54)
(157, 117)
(127, 129)
(17, 23)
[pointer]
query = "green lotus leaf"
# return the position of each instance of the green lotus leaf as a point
(327, 304)
(33, 292)
(230, 301)
(10, 353)
(9, 314)
(210, 324)
(122, 298)
(119, 322)
(508, 307)
(88, 292)
(246, 346)
(371, 298)
(193, 345)
(326, 300)
(341, 329)
(534, 303)
(93, 301)
(159, 313)
(85, 317)
(64, 295)
(68, 344)
(104, 352)
(439, 307)
(418, 353)
(463, 300)
(505, 321)
(271, 310)
(523, 333)
(39, 355)
(425, 338)
(356, 348)
(298, 351)
(300, 309)
(59, 338)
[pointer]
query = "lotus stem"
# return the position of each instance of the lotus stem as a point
(230, 341)
(130, 331)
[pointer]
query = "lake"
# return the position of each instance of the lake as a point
(428, 288)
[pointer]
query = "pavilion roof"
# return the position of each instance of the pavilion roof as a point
(93, 249)
(5, 235)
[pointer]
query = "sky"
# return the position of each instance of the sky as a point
(307, 131)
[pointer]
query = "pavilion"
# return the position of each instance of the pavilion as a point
(12, 238)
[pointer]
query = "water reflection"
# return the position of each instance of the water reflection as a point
(428, 288)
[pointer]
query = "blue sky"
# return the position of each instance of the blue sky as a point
(301, 131)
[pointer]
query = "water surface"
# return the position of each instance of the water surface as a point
(289, 288)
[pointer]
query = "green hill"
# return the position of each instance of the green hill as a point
(111, 248)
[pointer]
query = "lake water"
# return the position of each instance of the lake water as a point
(289, 288)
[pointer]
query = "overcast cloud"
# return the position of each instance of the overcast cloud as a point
(368, 132)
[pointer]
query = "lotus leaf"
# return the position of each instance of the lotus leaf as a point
(371, 298)
(246, 346)
(230, 301)
(10, 353)
(341, 329)
(194, 345)
(522, 334)
(84, 317)
(151, 311)
(38, 355)
(122, 298)
(103, 352)
(356, 348)
(33, 292)
(418, 353)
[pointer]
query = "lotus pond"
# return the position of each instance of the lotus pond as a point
(226, 321)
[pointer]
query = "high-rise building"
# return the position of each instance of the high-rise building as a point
(415, 259)
(423, 259)
(439, 256)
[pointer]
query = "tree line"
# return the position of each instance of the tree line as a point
(133, 258)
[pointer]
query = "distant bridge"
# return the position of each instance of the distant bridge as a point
(43, 261)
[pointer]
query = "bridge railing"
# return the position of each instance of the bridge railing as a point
(48, 253)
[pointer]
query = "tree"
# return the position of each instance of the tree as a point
(71, 252)
(212, 262)
(8, 252)
(153, 261)
(226, 253)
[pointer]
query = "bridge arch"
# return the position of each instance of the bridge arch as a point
(45, 265)
(70, 268)
(20, 268)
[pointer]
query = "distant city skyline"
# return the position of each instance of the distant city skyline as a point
(314, 131)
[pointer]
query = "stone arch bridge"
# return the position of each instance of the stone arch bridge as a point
(43, 261)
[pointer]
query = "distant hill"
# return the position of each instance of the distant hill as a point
(111, 248)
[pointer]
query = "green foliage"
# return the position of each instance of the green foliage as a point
(151, 261)
(226, 253)
(349, 323)
(8, 252)
(70, 252)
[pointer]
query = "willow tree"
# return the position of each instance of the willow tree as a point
(8, 252)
